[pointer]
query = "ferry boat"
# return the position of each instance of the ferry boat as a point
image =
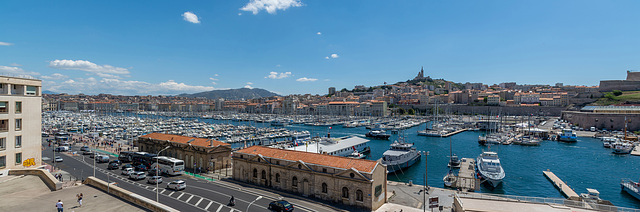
(489, 168)
(379, 134)
(278, 123)
(343, 146)
(400, 155)
(567, 135)
(631, 187)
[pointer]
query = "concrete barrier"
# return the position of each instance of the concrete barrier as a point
(44, 175)
(128, 196)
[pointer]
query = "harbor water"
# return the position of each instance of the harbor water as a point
(584, 164)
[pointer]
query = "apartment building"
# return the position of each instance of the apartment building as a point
(20, 123)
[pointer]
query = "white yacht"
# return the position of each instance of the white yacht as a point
(343, 146)
(631, 187)
(400, 155)
(490, 169)
(621, 148)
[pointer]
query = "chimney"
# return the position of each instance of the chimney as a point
(211, 140)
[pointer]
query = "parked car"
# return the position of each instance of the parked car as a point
(102, 159)
(113, 166)
(94, 154)
(89, 152)
(141, 168)
(152, 172)
(155, 180)
(127, 166)
(116, 161)
(137, 175)
(84, 148)
(177, 185)
(62, 149)
(281, 205)
(127, 171)
(58, 159)
(45, 135)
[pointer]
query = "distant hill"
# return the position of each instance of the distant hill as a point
(48, 92)
(233, 94)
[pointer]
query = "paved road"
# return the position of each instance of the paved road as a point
(200, 195)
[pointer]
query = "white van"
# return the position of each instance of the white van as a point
(102, 158)
(62, 149)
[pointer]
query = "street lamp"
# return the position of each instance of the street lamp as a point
(259, 197)
(426, 187)
(157, 168)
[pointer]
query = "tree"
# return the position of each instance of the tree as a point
(344, 90)
(401, 111)
(617, 92)
(412, 111)
(609, 96)
(485, 99)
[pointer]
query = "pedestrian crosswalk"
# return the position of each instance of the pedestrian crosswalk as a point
(197, 201)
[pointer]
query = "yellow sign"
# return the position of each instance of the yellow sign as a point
(29, 162)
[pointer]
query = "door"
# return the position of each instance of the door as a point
(305, 188)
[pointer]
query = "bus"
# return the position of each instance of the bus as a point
(168, 165)
(61, 137)
(143, 158)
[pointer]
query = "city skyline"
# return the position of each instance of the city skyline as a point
(298, 47)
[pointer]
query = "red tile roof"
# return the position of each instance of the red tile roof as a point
(184, 139)
(312, 158)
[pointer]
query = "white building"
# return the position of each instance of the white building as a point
(20, 123)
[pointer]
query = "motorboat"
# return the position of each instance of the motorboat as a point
(379, 134)
(621, 148)
(449, 179)
(400, 155)
(608, 141)
(454, 162)
(489, 168)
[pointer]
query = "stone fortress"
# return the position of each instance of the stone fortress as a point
(632, 83)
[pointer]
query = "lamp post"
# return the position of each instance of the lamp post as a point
(259, 197)
(426, 187)
(157, 168)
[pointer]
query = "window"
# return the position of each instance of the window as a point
(352, 175)
(294, 182)
(359, 196)
(299, 166)
(345, 192)
(3, 143)
(3, 162)
(324, 170)
(324, 188)
(18, 124)
(4, 125)
(18, 141)
(18, 158)
(31, 90)
(255, 173)
(277, 177)
(18, 107)
(3, 107)
(264, 175)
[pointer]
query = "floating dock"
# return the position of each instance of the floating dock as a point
(565, 189)
(635, 151)
(454, 132)
(466, 179)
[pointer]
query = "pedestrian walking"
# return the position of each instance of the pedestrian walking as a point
(59, 206)
(79, 199)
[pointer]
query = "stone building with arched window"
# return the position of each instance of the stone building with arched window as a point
(196, 152)
(356, 182)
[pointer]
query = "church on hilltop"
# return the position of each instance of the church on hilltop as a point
(421, 75)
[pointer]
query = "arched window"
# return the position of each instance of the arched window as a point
(277, 177)
(345, 192)
(294, 182)
(324, 188)
(255, 173)
(264, 174)
(359, 195)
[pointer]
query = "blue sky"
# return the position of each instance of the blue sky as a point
(306, 46)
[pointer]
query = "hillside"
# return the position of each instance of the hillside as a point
(233, 94)
(627, 97)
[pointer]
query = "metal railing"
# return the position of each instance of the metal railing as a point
(543, 200)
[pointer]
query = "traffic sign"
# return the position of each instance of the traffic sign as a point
(433, 202)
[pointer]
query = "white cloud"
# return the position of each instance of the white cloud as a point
(304, 79)
(319, 33)
(105, 71)
(249, 83)
(239, 13)
(334, 56)
(276, 75)
(5, 44)
(190, 17)
(123, 87)
(15, 64)
(327, 57)
(55, 76)
(215, 75)
(214, 79)
(271, 6)
(248, 86)
(17, 72)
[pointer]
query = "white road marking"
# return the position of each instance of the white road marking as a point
(219, 208)
(210, 202)
(198, 202)
(189, 199)
(171, 193)
(180, 196)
